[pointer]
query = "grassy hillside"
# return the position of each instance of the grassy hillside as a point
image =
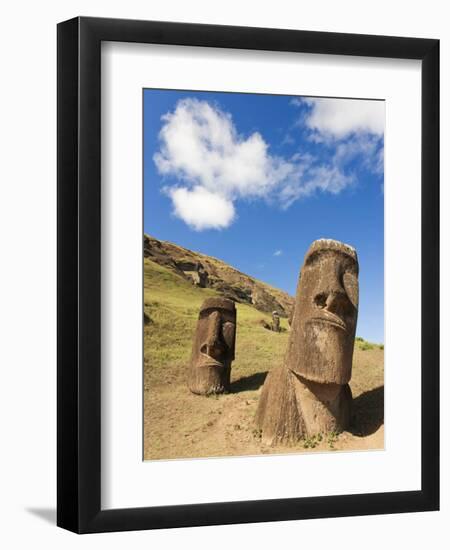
(180, 424)
(209, 272)
(173, 303)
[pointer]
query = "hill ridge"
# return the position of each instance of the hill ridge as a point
(210, 272)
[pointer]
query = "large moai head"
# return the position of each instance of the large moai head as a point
(213, 347)
(323, 328)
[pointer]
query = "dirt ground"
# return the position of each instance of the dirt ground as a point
(179, 424)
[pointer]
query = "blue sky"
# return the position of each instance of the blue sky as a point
(255, 179)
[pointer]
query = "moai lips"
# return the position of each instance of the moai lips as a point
(310, 393)
(213, 347)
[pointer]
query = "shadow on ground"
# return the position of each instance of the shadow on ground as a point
(368, 412)
(46, 514)
(248, 383)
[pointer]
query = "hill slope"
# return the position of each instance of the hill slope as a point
(179, 424)
(207, 272)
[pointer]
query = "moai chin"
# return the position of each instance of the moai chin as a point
(213, 347)
(275, 321)
(310, 393)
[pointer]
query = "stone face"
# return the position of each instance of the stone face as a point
(313, 385)
(202, 277)
(275, 321)
(213, 347)
(326, 307)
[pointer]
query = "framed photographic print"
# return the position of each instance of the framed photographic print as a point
(248, 259)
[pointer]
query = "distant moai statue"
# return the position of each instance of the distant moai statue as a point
(213, 347)
(310, 394)
(202, 276)
(275, 321)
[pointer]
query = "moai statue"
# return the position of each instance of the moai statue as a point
(310, 393)
(213, 347)
(202, 276)
(275, 321)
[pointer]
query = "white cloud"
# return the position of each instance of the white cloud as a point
(339, 118)
(352, 128)
(200, 145)
(214, 166)
(201, 209)
(278, 253)
(327, 178)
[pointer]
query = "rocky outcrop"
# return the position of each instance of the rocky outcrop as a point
(208, 272)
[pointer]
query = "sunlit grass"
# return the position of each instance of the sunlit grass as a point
(173, 303)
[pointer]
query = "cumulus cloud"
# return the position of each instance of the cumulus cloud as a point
(353, 128)
(200, 145)
(201, 209)
(338, 118)
(212, 165)
(328, 178)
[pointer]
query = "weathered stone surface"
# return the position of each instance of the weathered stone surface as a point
(213, 347)
(278, 416)
(275, 321)
(199, 276)
(324, 407)
(318, 361)
(208, 272)
(291, 316)
(264, 301)
(202, 277)
(323, 330)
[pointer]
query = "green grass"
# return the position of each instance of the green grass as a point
(180, 424)
(364, 345)
(173, 303)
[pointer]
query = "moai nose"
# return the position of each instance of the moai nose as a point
(320, 299)
(213, 345)
(337, 302)
(333, 301)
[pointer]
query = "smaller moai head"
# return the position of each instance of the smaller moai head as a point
(276, 321)
(323, 328)
(202, 277)
(213, 347)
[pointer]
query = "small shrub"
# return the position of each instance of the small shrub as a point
(257, 433)
(332, 437)
(364, 346)
(312, 442)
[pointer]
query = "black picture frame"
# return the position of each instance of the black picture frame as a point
(79, 275)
